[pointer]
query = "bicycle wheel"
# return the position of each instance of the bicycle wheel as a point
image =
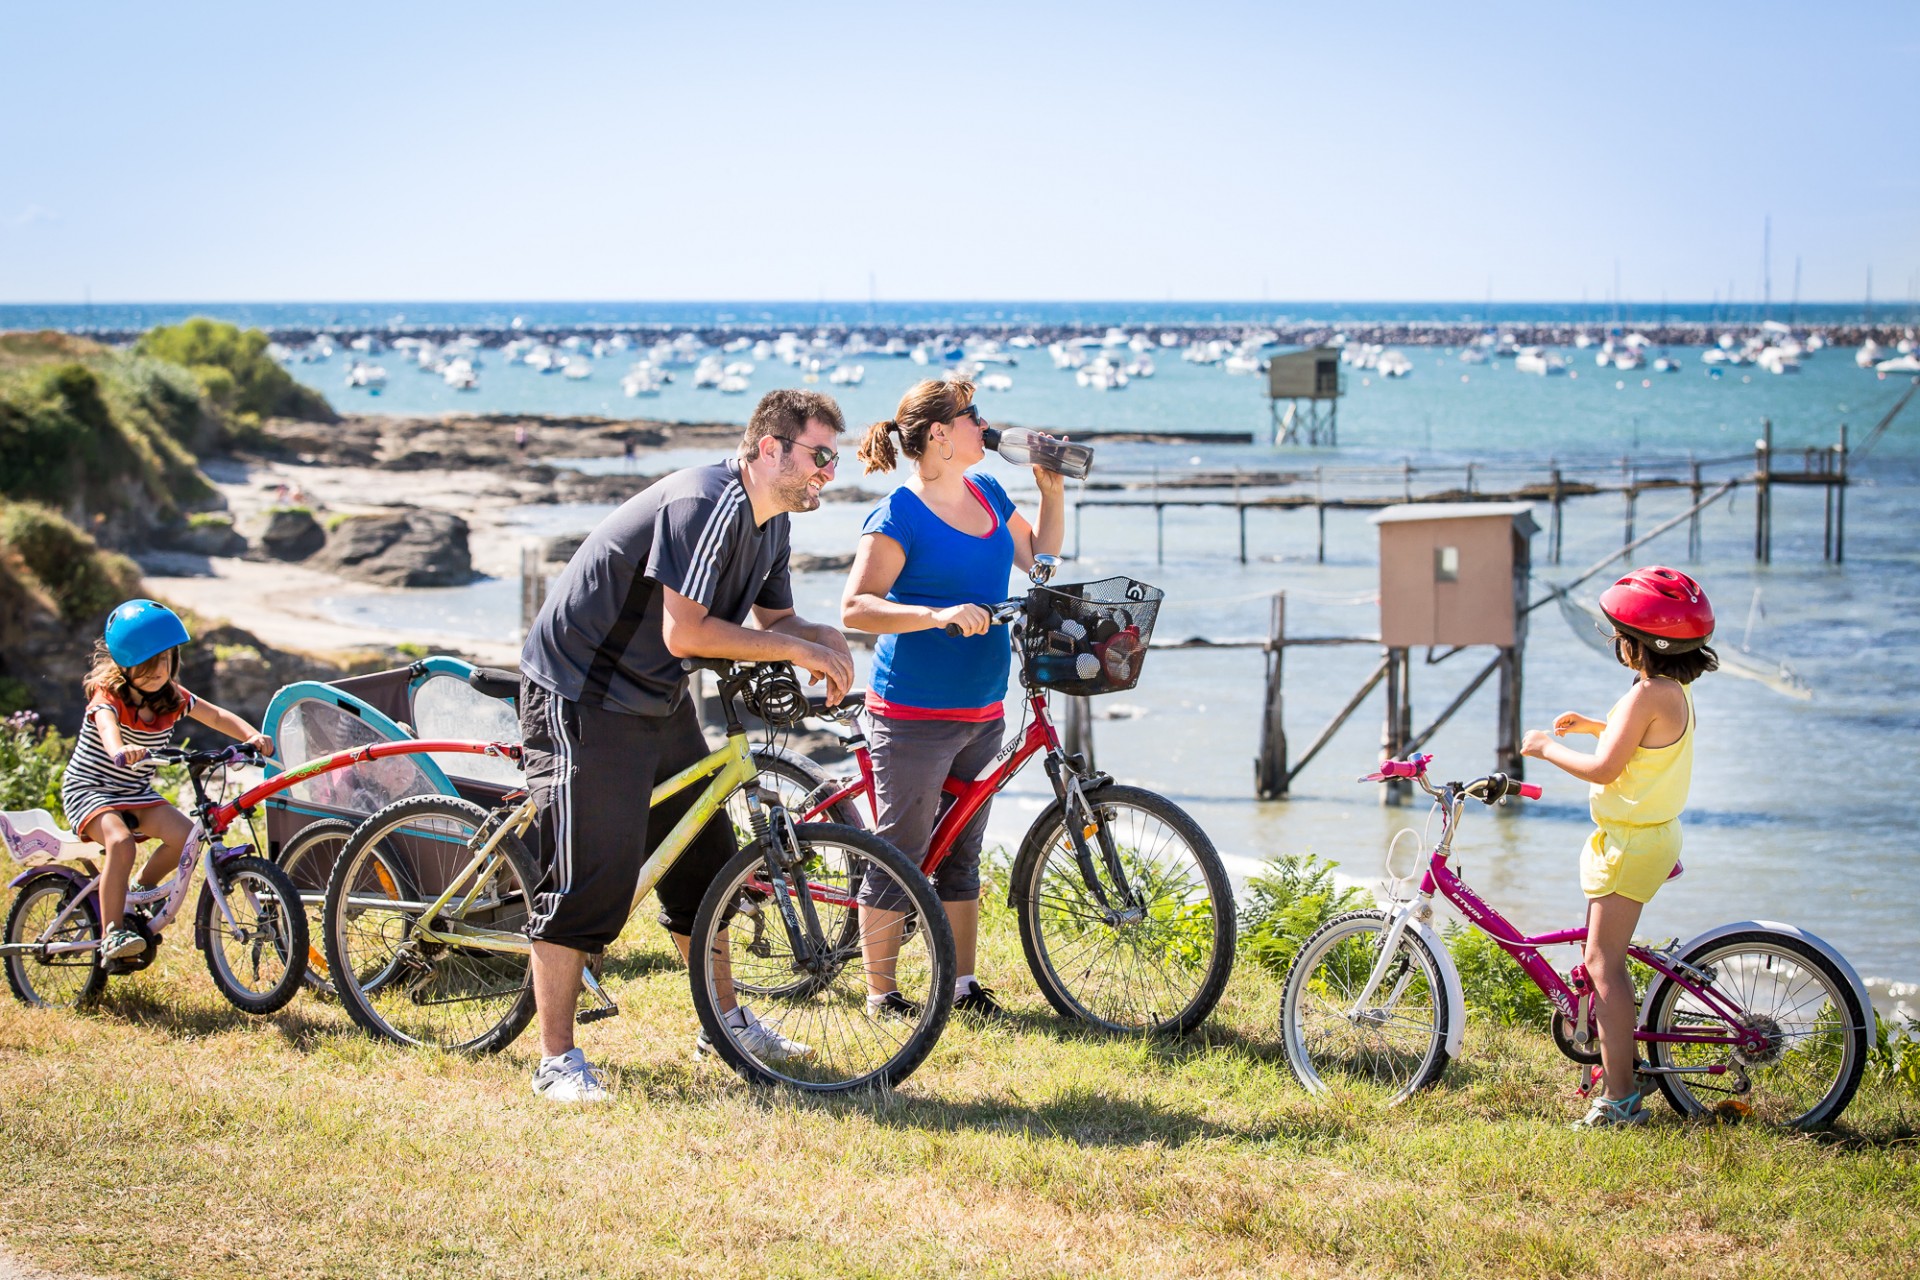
(810, 1027)
(64, 981)
(1399, 1040)
(1156, 966)
(259, 959)
(411, 990)
(1818, 1034)
(308, 860)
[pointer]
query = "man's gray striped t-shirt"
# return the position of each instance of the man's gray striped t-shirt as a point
(598, 637)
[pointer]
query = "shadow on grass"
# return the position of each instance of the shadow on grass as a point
(141, 1007)
(1086, 1117)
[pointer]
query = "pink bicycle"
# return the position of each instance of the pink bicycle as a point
(1754, 1018)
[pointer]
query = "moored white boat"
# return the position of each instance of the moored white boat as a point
(1393, 364)
(1534, 360)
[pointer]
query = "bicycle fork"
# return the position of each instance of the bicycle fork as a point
(1082, 821)
(782, 856)
(1397, 922)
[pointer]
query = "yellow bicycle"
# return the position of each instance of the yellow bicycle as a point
(426, 909)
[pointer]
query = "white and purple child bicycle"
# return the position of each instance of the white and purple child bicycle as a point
(249, 920)
(1749, 1019)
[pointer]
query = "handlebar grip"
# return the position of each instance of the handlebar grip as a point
(953, 628)
(1531, 790)
(1411, 767)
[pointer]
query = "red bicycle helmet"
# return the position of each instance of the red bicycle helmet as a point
(1660, 607)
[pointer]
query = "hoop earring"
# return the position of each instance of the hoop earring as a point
(948, 455)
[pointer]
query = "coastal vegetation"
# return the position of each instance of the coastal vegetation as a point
(1028, 1148)
(234, 369)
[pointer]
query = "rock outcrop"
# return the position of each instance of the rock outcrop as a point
(412, 547)
(292, 534)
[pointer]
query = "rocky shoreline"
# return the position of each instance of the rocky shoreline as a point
(378, 503)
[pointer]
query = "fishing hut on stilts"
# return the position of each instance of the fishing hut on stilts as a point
(1453, 576)
(1308, 380)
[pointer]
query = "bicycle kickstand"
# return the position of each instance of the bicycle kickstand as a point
(604, 1006)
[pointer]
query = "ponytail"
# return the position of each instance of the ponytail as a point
(876, 449)
(926, 403)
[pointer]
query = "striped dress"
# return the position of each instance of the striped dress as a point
(94, 784)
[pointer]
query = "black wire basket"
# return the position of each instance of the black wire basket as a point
(1087, 638)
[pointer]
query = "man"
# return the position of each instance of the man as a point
(604, 711)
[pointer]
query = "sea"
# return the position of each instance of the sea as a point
(1801, 809)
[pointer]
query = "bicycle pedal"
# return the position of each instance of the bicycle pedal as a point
(596, 1015)
(1595, 1076)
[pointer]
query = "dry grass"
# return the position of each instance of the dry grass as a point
(164, 1134)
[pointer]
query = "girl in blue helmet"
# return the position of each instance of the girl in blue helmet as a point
(133, 704)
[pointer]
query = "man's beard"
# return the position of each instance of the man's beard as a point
(791, 488)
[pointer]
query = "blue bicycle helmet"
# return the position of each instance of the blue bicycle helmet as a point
(142, 629)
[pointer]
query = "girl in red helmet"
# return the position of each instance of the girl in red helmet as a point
(1639, 773)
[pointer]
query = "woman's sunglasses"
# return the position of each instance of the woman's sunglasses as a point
(823, 457)
(972, 411)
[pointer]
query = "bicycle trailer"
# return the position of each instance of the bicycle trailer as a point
(436, 697)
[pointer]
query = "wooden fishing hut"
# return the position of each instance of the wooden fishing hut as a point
(1453, 576)
(1308, 379)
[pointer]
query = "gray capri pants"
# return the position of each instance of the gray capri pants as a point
(911, 759)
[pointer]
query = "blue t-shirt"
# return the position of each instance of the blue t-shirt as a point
(944, 566)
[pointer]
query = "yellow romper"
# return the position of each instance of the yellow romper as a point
(1636, 838)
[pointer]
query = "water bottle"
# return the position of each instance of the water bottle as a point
(1024, 447)
(1065, 668)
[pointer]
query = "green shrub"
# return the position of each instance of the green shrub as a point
(1287, 902)
(406, 648)
(83, 580)
(1895, 1056)
(234, 369)
(1492, 982)
(207, 519)
(32, 759)
(54, 429)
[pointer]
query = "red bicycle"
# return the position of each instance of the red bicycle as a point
(1126, 913)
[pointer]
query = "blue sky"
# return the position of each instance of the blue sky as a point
(1021, 151)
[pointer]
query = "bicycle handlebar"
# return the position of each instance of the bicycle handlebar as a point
(239, 753)
(1005, 611)
(1489, 790)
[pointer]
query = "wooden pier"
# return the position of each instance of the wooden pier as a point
(1325, 489)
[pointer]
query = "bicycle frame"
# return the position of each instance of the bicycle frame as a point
(730, 767)
(214, 820)
(970, 795)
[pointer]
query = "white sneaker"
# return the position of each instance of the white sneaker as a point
(760, 1041)
(570, 1078)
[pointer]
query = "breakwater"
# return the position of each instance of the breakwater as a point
(1416, 333)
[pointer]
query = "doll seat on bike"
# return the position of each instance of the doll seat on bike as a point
(34, 839)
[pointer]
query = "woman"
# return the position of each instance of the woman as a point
(931, 554)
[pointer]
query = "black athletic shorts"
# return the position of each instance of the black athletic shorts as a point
(591, 772)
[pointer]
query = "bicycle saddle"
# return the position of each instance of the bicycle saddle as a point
(494, 682)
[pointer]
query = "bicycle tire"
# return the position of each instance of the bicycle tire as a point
(827, 1013)
(267, 907)
(80, 976)
(460, 999)
(1328, 974)
(1787, 973)
(1160, 974)
(308, 857)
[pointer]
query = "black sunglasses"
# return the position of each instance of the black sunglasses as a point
(971, 411)
(823, 457)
